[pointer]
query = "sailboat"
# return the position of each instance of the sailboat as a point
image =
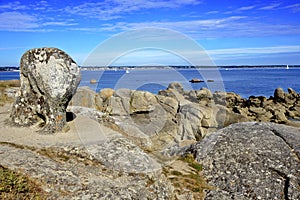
(287, 66)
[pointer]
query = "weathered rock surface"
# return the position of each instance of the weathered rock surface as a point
(49, 78)
(196, 80)
(85, 97)
(279, 108)
(176, 87)
(251, 161)
(121, 146)
(156, 122)
(91, 161)
(68, 174)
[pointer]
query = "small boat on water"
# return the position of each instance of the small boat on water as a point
(287, 66)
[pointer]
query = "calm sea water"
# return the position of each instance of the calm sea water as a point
(244, 81)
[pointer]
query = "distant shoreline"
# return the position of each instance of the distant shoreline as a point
(184, 67)
(14, 68)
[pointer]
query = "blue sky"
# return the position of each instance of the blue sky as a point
(231, 32)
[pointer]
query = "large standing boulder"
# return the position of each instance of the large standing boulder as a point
(49, 78)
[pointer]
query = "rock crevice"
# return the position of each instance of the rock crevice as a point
(286, 182)
(286, 142)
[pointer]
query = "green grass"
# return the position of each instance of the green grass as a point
(191, 162)
(17, 186)
(176, 173)
(192, 179)
(9, 83)
(196, 166)
(6, 84)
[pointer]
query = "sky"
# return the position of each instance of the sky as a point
(145, 32)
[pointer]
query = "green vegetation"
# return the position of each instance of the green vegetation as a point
(6, 84)
(191, 162)
(16, 186)
(189, 178)
(10, 83)
(176, 173)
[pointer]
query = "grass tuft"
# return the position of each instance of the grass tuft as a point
(9, 83)
(16, 186)
(188, 180)
(6, 84)
(191, 162)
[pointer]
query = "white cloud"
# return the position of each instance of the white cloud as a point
(229, 26)
(212, 12)
(41, 5)
(115, 9)
(13, 6)
(259, 55)
(240, 9)
(251, 51)
(293, 7)
(29, 17)
(59, 24)
(17, 6)
(270, 7)
(233, 26)
(20, 22)
(185, 26)
(12, 48)
(15, 21)
(246, 8)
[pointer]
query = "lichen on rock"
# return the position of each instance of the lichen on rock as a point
(49, 78)
(251, 160)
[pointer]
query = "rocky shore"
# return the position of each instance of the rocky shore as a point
(181, 116)
(123, 142)
(127, 144)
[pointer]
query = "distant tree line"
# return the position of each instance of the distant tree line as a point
(9, 68)
(183, 67)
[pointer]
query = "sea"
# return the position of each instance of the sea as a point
(259, 81)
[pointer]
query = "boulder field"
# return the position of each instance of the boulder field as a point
(139, 140)
(175, 116)
(128, 144)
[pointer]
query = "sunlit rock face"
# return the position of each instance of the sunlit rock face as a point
(49, 78)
